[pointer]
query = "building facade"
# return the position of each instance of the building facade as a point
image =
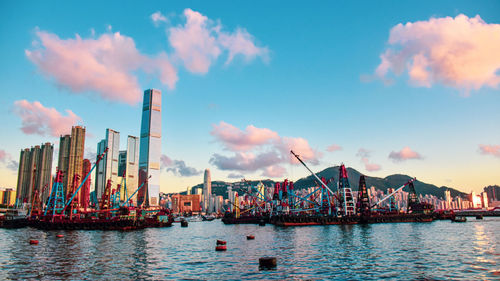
(132, 168)
(34, 173)
(186, 203)
(107, 168)
(207, 192)
(150, 148)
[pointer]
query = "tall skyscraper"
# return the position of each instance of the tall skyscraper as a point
(132, 167)
(207, 191)
(108, 166)
(85, 191)
(75, 167)
(63, 161)
(150, 148)
(122, 162)
(35, 168)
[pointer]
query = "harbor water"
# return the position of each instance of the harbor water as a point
(440, 250)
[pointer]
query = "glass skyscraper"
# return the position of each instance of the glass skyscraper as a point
(150, 148)
(107, 169)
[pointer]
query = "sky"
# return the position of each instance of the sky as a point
(385, 87)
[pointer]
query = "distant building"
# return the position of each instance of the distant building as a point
(85, 190)
(207, 190)
(107, 168)
(34, 174)
(447, 197)
(150, 148)
(493, 192)
(132, 168)
(63, 161)
(7, 197)
(122, 162)
(75, 165)
(186, 203)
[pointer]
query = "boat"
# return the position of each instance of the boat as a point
(14, 218)
(194, 219)
(208, 218)
(459, 219)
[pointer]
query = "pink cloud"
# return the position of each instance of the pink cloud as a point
(333, 147)
(200, 41)
(404, 154)
(301, 147)
(104, 65)
(275, 171)
(158, 17)
(3, 155)
(459, 52)
(365, 155)
(490, 149)
(166, 161)
(41, 120)
(248, 145)
(245, 161)
(237, 140)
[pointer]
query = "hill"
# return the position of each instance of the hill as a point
(392, 181)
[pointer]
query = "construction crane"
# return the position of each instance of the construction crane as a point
(394, 192)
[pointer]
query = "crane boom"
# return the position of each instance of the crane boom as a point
(394, 192)
(326, 186)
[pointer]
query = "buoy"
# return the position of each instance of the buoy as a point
(33, 242)
(221, 242)
(221, 248)
(262, 223)
(250, 237)
(184, 223)
(267, 262)
(59, 236)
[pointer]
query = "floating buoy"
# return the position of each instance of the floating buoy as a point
(33, 242)
(221, 242)
(59, 236)
(221, 248)
(184, 223)
(250, 237)
(267, 262)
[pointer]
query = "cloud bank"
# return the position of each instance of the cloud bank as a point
(365, 158)
(40, 120)
(178, 167)
(493, 150)
(404, 154)
(460, 52)
(259, 149)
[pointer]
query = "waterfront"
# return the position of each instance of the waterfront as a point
(439, 250)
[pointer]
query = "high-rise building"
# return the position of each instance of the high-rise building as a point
(85, 190)
(63, 161)
(34, 174)
(493, 193)
(107, 168)
(150, 148)
(75, 166)
(122, 162)
(447, 197)
(132, 168)
(207, 190)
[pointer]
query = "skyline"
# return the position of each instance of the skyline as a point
(381, 95)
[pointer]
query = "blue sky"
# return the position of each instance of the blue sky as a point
(313, 77)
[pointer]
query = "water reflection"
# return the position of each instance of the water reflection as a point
(438, 250)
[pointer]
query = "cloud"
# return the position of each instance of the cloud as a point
(105, 65)
(6, 158)
(3, 155)
(158, 17)
(333, 147)
(40, 120)
(490, 149)
(275, 171)
(235, 176)
(200, 41)
(235, 139)
(242, 161)
(259, 149)
(365, 158)
(459, 52)
(178, 167)
(404, 154)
